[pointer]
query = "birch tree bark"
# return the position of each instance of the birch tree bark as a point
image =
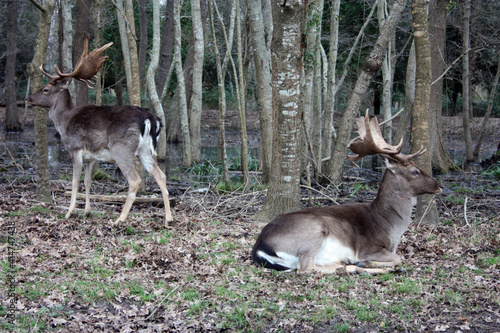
(40, 115)
(186, 138)
(153, 66)
(371, 66)
(287, 62)
(196, 96)
(264, 87)
(426, 208)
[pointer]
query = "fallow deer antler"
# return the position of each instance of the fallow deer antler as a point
(370, 140)
(88, 65)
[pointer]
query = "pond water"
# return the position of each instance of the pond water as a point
(21, 146)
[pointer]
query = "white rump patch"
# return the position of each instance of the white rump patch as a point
(283, 259)
(146, 150)
(332, 251)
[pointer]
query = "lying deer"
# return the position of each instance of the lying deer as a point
(102, 133)
(359, 237)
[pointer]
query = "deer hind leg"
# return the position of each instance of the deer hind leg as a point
(160, 178)
(89, 171)
(134, 182)
(149, 163)
(77, 172)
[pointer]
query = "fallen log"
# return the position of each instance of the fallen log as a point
(119, 198)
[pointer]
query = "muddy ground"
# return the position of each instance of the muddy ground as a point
(196, 275)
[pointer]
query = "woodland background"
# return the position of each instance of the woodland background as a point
(433, 64)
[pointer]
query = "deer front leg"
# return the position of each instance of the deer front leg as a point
(77, 172)
(89, 171)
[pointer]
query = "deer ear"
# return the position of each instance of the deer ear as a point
(387, 162)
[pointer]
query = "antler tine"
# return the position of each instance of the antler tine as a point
(370, 140)
(88, 65)
(406, 159)
(52, 78)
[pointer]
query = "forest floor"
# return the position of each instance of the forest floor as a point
(196, 275)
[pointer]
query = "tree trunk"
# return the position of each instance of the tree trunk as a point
(494, 86)
(12, 122)
(134, 86)
(153, 66)
(221, 139)
(186, 138)
(122, 28)
(370, 67)
(437, 35)
(264, 86)
(82, 28)
(466, 81)
(311, 90)
(167, 47)
(43, 192)
(426, 207)
(405, 118)
(386, 77)
(241, 91)
(196, 97)
(287, 61)
(96, 27)
(143, 41)
(328, 129)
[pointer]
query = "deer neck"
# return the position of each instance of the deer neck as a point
(60, 113)
(392, 207)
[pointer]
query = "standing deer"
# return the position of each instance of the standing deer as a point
(359, 237)
(102, 133)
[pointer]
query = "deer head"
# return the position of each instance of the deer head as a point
(86, 67)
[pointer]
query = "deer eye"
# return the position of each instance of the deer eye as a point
(415, 172)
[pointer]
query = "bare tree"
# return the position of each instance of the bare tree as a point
(494, 86)
(12, 122)
(82, 28)
(241, 94)
(40, 115)
(195, 106)
(186, 138)
(437, 36)
(166, 49)
(264, 87)
(221, 71)
(370, 66)
(143, 40)
(466, 80)
(386, 76)
(153, 65)
(287, 64)
(125, 16)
